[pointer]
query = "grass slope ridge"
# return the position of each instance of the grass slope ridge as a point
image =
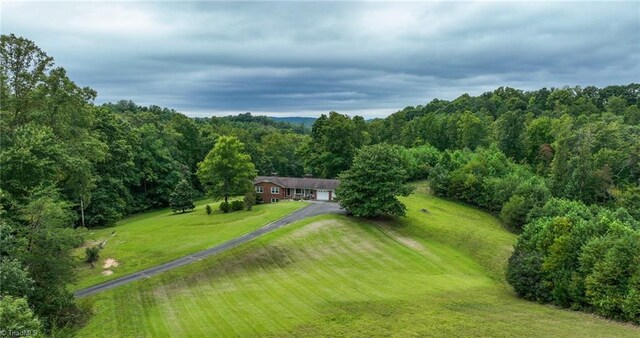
(436, 273)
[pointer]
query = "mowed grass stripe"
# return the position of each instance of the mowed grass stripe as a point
(338, 266)
(430, 274)
(266, 293)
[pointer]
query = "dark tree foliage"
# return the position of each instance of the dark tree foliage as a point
(225, 207)
(237, 205)
(181, 198)
(371, 186)
(16, 316)
(67, 163)
(227, 170)
(489, 179)
(583, 142)
(333, 144)
(580, 257)
(92, 254)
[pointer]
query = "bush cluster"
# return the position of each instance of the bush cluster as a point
(421, 161)
(487, 178)
(232, 206)
(237, 205)
(584, 258)
(92, 254)
(225, 207)
(569, 254)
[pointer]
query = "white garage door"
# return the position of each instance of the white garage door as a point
(322, 195)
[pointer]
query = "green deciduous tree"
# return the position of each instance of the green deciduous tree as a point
(473, 130)
(616, 105)
(281, 152)
(538, 136)
(227, 170)
(371, 186)
(16, 316)
(115, 174)
(334, 141)
(508, 132)
(581, 257)
(14, 278)
(612, 264)
(49, 240)
(23, 67)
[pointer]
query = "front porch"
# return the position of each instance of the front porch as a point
(294, 193)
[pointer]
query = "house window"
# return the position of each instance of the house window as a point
(298, 191)
(274, 200)
(275, 190)
(259, 189)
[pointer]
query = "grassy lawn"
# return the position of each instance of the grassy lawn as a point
(148, 239)
(436, 273)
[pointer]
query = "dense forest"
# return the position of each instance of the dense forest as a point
(560, 165)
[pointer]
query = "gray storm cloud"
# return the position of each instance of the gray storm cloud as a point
(287, 58)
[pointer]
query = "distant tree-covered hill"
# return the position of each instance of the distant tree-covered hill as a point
(306, 121)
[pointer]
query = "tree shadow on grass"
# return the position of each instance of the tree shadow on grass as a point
(263, 258)
(181, 213)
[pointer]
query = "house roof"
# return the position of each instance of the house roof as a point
(299, 182)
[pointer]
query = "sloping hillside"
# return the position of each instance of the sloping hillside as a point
(438, 272)
(156, 237)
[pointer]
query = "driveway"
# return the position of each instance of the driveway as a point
(313, 209)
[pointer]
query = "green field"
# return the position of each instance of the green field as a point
(439, 272)
(149, 239)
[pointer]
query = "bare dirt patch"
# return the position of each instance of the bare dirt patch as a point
(107, 273)
(110, 262)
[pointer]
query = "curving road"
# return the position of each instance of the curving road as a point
(313, 209)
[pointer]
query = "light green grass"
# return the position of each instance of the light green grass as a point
(149, 239)
(436, 273)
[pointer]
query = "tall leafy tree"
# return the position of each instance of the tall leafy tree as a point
(49, 240)
(508, 132)
(371, 186)
(116, 173)
(473, 130)
(227, 170)
(23, 67)
(537, 140)
(334, 141)
(159, 171)
(281, 151)
(16, 316)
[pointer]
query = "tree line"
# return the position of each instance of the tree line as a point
(67, 164)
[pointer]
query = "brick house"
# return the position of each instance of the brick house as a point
(275, 188)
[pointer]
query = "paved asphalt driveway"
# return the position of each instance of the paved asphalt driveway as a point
(313, 209)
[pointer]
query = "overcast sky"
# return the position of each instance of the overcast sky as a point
(302, 59)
